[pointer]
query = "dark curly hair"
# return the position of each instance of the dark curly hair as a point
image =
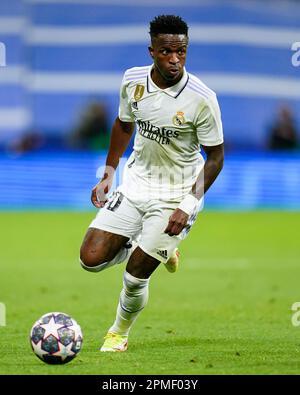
(168, 24)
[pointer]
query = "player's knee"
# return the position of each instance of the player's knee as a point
(90, 259)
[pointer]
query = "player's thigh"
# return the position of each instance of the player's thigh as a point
(119, 216)
(100, 246)
(154, 241)
(117, 222)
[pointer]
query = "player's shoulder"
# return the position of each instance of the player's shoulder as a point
(199, 88)
(136, 74)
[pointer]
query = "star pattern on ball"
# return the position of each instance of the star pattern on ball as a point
(64, 351)
(51, 328)
(37, 348)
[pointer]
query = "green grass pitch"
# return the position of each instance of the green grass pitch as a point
(226, 311)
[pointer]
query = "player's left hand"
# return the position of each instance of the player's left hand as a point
(177, 222)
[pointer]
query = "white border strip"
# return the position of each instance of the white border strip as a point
(127, 3)
(253, 85)
(12, 75)
(74, 82)
(75, 36)
(10, 25)
(278, 6)
(222, 83)
(138, 34)
(244, 34)
(14, 118)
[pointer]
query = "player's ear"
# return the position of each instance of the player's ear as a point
(151, 51)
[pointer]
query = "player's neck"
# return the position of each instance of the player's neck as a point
(159, 80)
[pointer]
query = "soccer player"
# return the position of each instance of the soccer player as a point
(165, 177)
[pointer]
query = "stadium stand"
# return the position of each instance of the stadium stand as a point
(63, 54)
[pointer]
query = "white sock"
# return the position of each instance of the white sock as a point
(122, 256)
(133, 298)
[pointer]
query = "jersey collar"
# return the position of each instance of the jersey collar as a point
(174, 90)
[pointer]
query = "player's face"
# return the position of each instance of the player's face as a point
(169, 54)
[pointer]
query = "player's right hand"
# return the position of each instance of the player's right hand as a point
(100, 191)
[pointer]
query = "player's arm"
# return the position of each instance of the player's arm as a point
(213, 166)
(120, 138)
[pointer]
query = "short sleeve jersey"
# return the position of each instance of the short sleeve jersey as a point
(171, 126)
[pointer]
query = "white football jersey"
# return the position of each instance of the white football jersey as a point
(171, 124)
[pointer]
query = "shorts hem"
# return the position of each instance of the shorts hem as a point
(153, 254)
(108, 229)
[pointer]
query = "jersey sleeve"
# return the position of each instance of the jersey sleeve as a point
(208, 123)
(125, 113)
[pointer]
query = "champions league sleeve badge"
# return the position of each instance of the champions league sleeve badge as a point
(139, 91)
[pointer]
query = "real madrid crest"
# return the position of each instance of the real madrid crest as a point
(178, 119)
(138, 93)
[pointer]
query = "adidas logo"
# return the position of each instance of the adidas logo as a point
(163, 253)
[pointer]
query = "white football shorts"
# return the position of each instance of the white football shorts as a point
(143, 222)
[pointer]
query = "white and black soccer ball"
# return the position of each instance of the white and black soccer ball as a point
(56, 338)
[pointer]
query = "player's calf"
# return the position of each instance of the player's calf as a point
(133, 299)
(140, 264)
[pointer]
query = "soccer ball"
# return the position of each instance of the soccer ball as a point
(56, 338)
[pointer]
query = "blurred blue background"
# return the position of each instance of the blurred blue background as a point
(64, 64)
